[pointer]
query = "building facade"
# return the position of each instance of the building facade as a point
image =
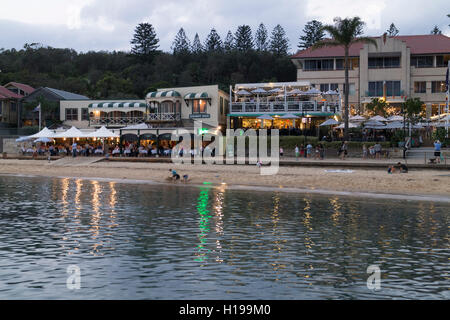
(165, 108)
(11, 95)
(397, 68)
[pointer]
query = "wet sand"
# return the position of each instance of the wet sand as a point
(415, 183)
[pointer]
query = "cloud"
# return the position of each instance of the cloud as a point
(109, 24)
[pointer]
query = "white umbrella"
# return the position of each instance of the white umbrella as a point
(243, 93)
(295, 91)
(44, 133)
(395, 118)
(289, 116)
(357, 118)
(329, 122)
(265, 117)
(374, 123)
(43, 140)
(350, 125)
(102, 133)
(313, 91)
(259, 91)
(22, 139)
(71, 133)
(137, 126)
(394, 125)
(276, 90)
(378, 118)
(331, 93)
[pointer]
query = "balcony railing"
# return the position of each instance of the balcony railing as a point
(380, 94)
(288, 107)
(121, 121)
(163, 117)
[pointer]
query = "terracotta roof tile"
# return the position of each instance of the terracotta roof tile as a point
(419, 44)
(24, 87)
(9, 94)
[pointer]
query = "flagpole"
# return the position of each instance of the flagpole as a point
(39, 117)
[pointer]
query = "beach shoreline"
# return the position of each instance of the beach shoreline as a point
(428, 185)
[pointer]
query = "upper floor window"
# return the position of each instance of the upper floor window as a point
(422, 61)
(353, 64)
(384, 62)
(376, 88)
(420, 87)
(84, 114)
(442, 61)
(72, 114)
(437, 86)
(319, 65)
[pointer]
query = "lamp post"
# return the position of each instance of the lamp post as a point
(404, 130)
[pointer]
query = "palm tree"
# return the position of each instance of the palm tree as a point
(344, 33)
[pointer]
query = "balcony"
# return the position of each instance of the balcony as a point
(125, 121)
(285, 107)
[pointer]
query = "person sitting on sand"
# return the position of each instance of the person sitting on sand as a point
(174, 175)
(401, 167)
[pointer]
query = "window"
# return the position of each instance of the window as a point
(334, 86)
(319, 65)
(375, 89)
(13, 107)
(422, 61)
(72, 114)
(420, 87)
(393, 88)
(199, 106)
(339, 64)
(384, 62)
(84, 114)
(442, 61)
(437, 86)
(324, 87)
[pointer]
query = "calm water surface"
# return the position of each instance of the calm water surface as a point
(134, 241)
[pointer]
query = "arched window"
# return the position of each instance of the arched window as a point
(167, 107)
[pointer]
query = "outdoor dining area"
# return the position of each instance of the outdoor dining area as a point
(379, 128)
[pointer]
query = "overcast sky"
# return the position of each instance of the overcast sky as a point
(109, 24)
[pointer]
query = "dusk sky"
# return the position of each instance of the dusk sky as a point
(109, 24)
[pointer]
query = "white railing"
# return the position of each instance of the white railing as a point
(281, 106)
(119, 121)
(163, 117)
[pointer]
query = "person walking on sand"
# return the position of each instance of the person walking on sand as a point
(297, 152)
(281, 151)
(377, 148)
(364, 155)
(309, 149)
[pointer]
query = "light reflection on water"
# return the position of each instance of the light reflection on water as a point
(165, 242)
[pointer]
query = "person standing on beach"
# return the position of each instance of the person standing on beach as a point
(309, 148)
(281, 151)
(364, 151)
(377, 148)
(343, 150)
(437, 151)
(297, 153)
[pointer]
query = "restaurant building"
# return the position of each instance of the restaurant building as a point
(400, 67)
(160, 113)
(292, 107)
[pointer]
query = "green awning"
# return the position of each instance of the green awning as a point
(200, 95)
(162, 94)
(118, 105)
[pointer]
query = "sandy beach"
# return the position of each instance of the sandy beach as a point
(416, 182)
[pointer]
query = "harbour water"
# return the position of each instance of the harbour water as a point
(137, 241)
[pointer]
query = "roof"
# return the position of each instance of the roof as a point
(65, 95)
(419, 44)
(8, 94)
(117, 105)
(24, 87)
(162, 94)
(193, 95)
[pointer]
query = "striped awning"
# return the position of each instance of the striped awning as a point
(200, 95)
(118, 105)
(163, 94)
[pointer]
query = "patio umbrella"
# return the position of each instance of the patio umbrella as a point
(44, 133)
(289, 116)
(331, 93)
(395, 118)
(394, 125)
(102, 133)
(71, 133)
(313, 91)
(350, 125)
(259, 91)
(136, 126)
(295, 91)
(357, 118)
(243, 93)
(374, 123)
(43, 140)
(265, 117)
(329, 122)
(378, 118)
(275, 90)
(22, 139)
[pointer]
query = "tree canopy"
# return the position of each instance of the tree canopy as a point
(313, 33)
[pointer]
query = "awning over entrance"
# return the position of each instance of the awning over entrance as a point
(118, 105)
(162, 94)
(199, 95)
